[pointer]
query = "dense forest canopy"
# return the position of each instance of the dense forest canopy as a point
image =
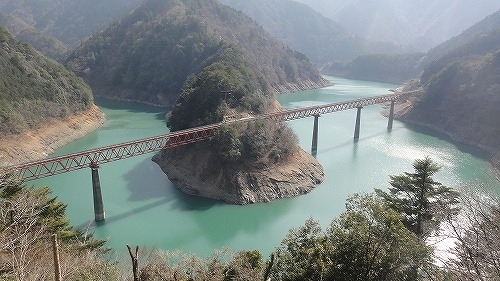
(34, 89)
(227, 86)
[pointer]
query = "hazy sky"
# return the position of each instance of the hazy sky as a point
(420, 23)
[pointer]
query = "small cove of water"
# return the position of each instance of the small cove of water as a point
(144, 208)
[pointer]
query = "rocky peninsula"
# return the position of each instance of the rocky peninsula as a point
(193, 174)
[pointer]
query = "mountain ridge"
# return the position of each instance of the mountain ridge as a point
(418, 24)
(307, 31)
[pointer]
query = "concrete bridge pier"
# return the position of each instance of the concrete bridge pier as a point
(96, 190)
(358, 121)
(391, 116)
(314, 147)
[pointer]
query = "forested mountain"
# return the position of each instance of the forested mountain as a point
(43, 23)
(43, 42)
(461, 95)
(34, 89)
(309, 32)
(386, 68)
(70, 21)
(148, 55)
(419, 24)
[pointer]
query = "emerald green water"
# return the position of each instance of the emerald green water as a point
(144, 208)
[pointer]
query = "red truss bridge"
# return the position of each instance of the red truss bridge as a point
(94, 157)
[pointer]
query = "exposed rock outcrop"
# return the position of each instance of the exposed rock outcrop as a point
(193, 174)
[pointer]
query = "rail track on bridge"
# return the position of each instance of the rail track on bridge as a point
(94, 157)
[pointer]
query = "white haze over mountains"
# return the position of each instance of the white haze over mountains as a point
(420, 24)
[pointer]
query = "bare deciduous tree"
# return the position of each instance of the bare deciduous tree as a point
(21, 231)
(476, 254)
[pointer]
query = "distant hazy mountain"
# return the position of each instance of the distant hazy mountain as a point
(148, 55)
(69, 20)
(402, 67)
(482, 28)
(34, 89)
(395, 69)
(420, 24)
(43, 42)
(307, 31)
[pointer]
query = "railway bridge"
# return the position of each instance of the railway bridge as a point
(95, 157)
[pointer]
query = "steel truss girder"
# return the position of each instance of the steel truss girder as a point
(67, 163)
(304, 112)
(94, 157)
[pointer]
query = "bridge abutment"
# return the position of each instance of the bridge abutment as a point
(391, 116)
(314, 146)
(96, 191)
(358, 124)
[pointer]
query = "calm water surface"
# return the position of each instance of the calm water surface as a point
(144, 208)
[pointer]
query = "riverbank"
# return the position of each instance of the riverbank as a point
(39, 143)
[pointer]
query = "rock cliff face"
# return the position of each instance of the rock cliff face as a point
(193, 174)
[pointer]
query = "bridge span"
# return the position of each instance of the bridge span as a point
(94, 157)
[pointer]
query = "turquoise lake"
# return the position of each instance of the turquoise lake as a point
(144, 208)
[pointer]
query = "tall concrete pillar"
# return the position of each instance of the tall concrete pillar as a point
(391, 116)
(96, 190)
(358, 121)
(314, 147)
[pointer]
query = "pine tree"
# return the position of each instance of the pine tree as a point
(423, 202)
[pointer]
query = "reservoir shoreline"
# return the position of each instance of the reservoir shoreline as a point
(41, 142)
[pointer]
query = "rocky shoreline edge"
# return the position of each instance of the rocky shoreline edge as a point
(38, 143)
(193, 174)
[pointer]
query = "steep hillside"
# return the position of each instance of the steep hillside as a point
(34, 89)
(42, 104)
(420, 24)
(148, 55)
(70, 21)
(461, 95)
(305, 30)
